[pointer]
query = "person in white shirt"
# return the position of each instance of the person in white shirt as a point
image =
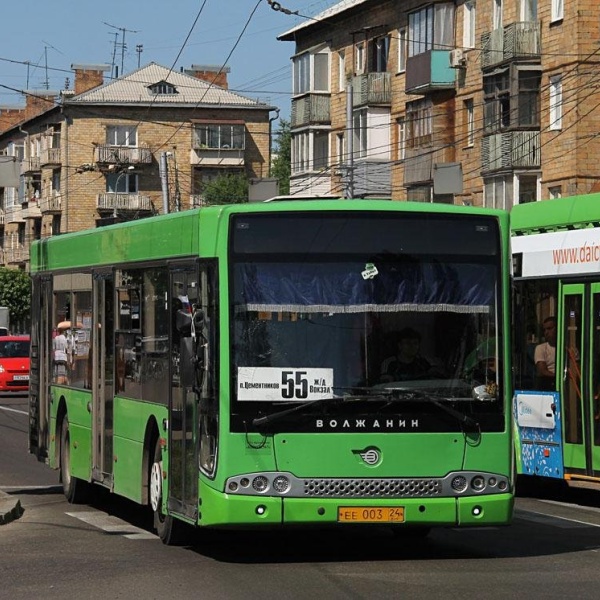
(545, 356)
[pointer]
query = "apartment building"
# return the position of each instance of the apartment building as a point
(143, 144)
(479, 102)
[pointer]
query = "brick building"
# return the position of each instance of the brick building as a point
(92, 155)
(482, 102)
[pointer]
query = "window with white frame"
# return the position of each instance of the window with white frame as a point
(121, 135)
(122, 183)
(555, 191)
(497, 10)
(527, 188)
(529, 10)
(359, 58)
(340, 149)
(379, 49)
(360, 133)
(556, 102)
(310, 151)
(469, 24)
(469, 121)
(498, 192)
(419, 123)
(401, 127)
(226, 136)
(402, 34)
(557, 10)
(341, 70)
(431, 28)
(311, 72)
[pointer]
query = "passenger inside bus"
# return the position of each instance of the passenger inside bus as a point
(407, 363)
(545, 356)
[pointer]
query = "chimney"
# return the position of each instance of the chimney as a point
(10, 116)
(212, 74)
(38, 102)
(88, 77)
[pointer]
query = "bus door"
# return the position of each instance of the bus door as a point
(578, 363)
(183, 402)
(102, 376)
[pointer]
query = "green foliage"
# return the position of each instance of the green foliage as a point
(226, 189)
(282, 163)
(15, 293)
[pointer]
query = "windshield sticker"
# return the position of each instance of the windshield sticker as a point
(370, 271)
(272, 384)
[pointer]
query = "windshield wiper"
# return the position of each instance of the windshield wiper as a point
(408, 394)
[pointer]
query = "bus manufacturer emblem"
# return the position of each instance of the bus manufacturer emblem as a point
(371, 456)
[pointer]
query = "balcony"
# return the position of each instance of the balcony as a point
(419, 163)
(515, 41)
(510, 150)
(16, 255)
(111, 201)
(51, 203)
(122, 155)
(31, 210)
(429, 71)
(371, 89)
(50, 156)
(217, 157)
(311, 109)
(30, 165)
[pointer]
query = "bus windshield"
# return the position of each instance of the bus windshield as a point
(351, 307)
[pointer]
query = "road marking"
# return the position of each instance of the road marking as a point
(554, 520)
(21, 412)
(112, 525)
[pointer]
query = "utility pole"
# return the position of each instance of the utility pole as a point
(164, 180)
(139, 49)
(349, 191)
(177, 190)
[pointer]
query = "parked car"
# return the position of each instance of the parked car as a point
(14, 363)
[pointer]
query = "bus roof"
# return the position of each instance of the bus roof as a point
(178, 234)
(574, 212)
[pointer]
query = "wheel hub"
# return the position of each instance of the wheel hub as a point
(155, 486)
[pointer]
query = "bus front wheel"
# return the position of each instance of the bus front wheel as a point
(170, 530)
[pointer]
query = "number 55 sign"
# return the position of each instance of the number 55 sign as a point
(270, 384)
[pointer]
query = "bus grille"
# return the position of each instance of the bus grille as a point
(372, 488)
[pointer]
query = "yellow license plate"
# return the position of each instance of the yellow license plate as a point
(371, 514)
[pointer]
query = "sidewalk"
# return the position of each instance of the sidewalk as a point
(10, 508)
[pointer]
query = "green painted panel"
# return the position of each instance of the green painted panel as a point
(81, 451)
(490, 510)
(127, 468)
(441, 72)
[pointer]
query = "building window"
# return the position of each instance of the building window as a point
(340, 149)
(311, 72)
(341, 70)
(431, 28)
(469, 116)
(310, 151)
(402, 49)
(469, 24)
(162, 88)
(528, 98)
(226, 136)
(121, 135)
(122, 183)
(527, 188)
(557, 10)
(401, 122)
(555, 192)
(359, 58)
(419, 123)
(498, 192)
(360, 133)
(422, 193)
(379, 54)
(497, 14)
(529, 10)
(556, 102)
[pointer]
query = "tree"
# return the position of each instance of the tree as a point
(282, 163)
(15, 293)
(226, 189)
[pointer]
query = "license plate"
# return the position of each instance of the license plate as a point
(371, 514)
(20, 377)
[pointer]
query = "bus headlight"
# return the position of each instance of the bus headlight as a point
(478, 483)
(281, 484)
(459, 483)
(260, 484)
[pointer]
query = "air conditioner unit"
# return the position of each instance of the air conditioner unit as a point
(457, 58)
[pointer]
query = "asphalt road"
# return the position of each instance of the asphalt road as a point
(107, 550)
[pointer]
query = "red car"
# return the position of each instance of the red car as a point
(14, 363)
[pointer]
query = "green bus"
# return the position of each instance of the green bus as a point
(556, 271)
(241, 365)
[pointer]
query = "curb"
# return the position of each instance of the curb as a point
(10, 508)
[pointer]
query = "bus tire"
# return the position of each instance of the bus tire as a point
(170, 531)
(75, 489)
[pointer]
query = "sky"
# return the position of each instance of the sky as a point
(42, 39)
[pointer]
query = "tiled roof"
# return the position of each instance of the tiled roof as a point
(336, 9)
(135, 88)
